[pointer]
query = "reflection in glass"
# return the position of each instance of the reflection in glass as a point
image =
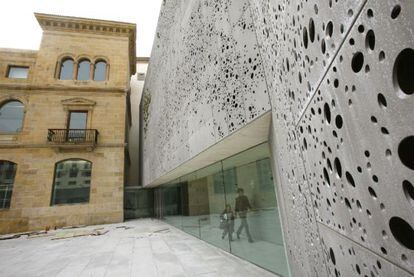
(66, 69)
(100, 71)
(231, 204)
(11, 117)
(18, 72)
(138, 202)
(84, 68)
(7, 174)
(72, 182)
(77, 126)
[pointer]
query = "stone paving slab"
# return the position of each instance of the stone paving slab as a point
(147, 248)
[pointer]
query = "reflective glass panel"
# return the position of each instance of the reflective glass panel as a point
(18, 72)
(72, 182)
(66, 70)
(138, 202)
(84, 68)
(7, 174)
(258, 230)
(232, 204)
(100, 71)
(172, 203)
(11, 117)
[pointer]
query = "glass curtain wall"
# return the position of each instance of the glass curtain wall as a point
(231, 204)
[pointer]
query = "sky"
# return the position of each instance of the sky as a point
(19, 27)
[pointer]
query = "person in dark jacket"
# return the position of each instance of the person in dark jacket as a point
(242, 207)
(227, 222)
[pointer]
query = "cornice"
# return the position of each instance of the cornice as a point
(28, 87)
(49, 22)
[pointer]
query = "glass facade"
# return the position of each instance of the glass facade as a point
(232, 205)
(138, 202)
(72, 182)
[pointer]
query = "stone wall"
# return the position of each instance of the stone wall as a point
(47, 101)
(339, 75)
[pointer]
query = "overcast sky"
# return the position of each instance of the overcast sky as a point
(19, 27)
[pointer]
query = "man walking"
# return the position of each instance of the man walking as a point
(241, 208)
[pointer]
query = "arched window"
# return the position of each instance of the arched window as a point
(84, 68)
(66, 69)
(7, 174)
(71, 182)
(11, 117)
(100, 71)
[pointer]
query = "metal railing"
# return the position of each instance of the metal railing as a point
(73, 136)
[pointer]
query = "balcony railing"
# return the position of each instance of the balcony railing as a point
(73, 136)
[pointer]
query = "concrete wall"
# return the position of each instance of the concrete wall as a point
(340, 81)
(137, 85)
(205, 81)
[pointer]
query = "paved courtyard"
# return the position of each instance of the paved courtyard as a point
(136, 248)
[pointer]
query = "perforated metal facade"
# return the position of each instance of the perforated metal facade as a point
(338, 78)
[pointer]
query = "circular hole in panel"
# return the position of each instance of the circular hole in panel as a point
(348, 204)
(408, 189)
(326, 176)
(357, 62)
(332, 255)
(338, 167)
(404, 71)
(339, 122)
(358, 269)
(402, 232)
(361, 28)
(329, 29)
(372, 192)
(323, 46)
(381, 100)
(381, 56)
(311, 30)
(327, 112)
(305, 37)
(329, 165)
(350, 179)
(370, 40)
(406, 152)
(395, 11)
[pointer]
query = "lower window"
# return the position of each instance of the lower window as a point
(71, 182)
(7, 174)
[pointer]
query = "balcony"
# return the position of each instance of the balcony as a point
(73, 138)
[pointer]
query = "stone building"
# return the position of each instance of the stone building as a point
(303, 107)
(63, 123)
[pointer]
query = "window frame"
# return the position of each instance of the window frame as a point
(99, 60)
(13, 183)
(4, 102)
(60, 65)
(11, 66)
(53, 193)
(90, 70)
